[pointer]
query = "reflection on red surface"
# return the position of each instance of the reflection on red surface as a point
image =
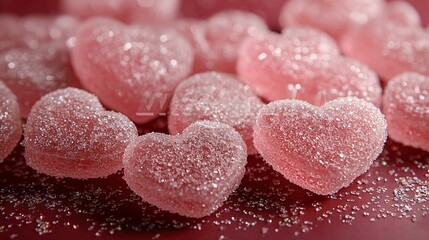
(389, 201)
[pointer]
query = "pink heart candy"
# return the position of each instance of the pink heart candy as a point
(388, 48)
(215, 97)
(191, 174)
(10, 122)
(129, 11)
(32, 73)
(322, 149)
(335, 17)
(69, 134)
(406, 105)
(219, 52)
(132, 69)
(304, 64)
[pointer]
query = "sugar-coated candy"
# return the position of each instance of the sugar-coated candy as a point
(304, 64)
(132, 69)
(332, 16)
(322, 149)
(34, 31)
(32, 73)
(69, 134)
(215, 97)
(389, 48)
(406, 106)
(202, 9)
(403, 13)
(128, 11)
(10, 122)
(215, 51)
(191, 174)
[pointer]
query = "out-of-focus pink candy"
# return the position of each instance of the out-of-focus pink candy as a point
(69, 134)
(403, 13)
(191, 174)
(215, 97)
(132, 69)
(332, 16)
(406, 105)
(268, 10)
(388, 48)
(216, 41)
(320, 149)
(128, 11)
(30, 74)
(304, 64)
(10, 122)
(34, 31)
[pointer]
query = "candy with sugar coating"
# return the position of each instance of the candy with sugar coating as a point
(402, 12)
(215, 97)
(322, 149)
(10, 122)
(128, 11)
(69, 134)
(32, 73)
(335, 17)
(388, 48)
(191, 174)
(132, 69)
(304, 66)
(406, 105)
(215, 51)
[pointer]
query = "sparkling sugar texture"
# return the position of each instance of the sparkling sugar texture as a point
(304, 64)
(34, 31)
(30, 74)
(388, 48)
(215, 97)
(132, 69)
(129, 11)
(10, 122)
(332, 16)
(406, 105)
(191, 174)
(219, 52)
(320, 149)
(69, 134)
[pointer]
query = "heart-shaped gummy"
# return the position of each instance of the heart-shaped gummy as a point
(32, 73)
(215, 97)
(304, 64)
(191, 174)
(129, 11)
(322, 149)
(132, 69)
(389, 48)
(406, 106)
(69, 134)
(219, 52)
(332, 16)
(10, 122)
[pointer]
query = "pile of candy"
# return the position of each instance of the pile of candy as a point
(307, 99)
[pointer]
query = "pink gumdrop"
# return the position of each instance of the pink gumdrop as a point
(335, 17)
(30, 74)
(304, 66)
(406, 105)
(202, 9)
(10, 122)
(191, 174)
(390, 49)
(403, 13)
(128, 11)
(69, 134)
(34, 31)
(218, 52)
(132, 69)
(320, 149)
(215, 97)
